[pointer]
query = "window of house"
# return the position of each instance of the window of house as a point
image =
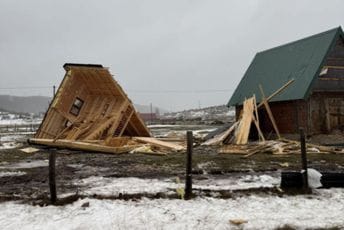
(76, 107)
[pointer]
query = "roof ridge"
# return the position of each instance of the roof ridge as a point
(305, 38)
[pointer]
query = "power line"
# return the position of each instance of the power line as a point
(135, 91)
(26, 87)
(182, 91)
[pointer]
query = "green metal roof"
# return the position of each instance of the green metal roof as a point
(300, 60)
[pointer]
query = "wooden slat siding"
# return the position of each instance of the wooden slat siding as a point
(126, 116)
(102, 125)
(335, 61)
(93, 119)
(118, 113)
(97, 120)
(137, 125)
(319, 111)
(131, 126)
(51, 126)
(55, 100)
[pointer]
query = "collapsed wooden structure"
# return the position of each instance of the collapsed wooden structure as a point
(235, 140)
(90, 111)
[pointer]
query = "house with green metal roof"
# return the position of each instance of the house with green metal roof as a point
(315, 99)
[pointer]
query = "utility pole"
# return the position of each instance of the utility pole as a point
(52, 172)
(151, 113)
(304, 159)
(188, 176)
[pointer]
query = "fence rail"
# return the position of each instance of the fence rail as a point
(18, 128)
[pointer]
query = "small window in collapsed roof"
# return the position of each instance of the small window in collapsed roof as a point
(76, 107)
(68, 123)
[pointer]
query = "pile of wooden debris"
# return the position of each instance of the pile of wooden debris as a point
(235, 139)
(281, 146)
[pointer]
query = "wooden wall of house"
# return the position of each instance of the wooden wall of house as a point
(289, 116)
(331, 78)
(327, 111)
(327, 99)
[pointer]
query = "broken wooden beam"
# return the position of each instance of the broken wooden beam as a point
(159, 143)
(78, 145)
(268, 110)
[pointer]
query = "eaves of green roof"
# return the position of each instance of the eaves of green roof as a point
(301, 60)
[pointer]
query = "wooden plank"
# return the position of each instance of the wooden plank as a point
(218, 139)
(126, 122)
(267, 107)
(276, 92)
(243, 130)
(155, 142)
(78, 145)
(256, 120)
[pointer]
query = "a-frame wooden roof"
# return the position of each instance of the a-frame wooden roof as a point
(90, 106)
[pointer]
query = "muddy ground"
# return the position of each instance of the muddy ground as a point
(73, 165)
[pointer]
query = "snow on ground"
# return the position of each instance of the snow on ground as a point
(19, 121)
(10, 138)
(26, 164)
(132, 185)
(125, 185)
(10, 145)
(162, 126)
(243, 182)
(13, 140)
(322, 210)
(16, 173)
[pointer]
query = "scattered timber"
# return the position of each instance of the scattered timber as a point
(163, 144)
(278, 147)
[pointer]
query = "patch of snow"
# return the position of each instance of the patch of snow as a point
(29, 164)
(131, 185)
(124, 185)
(9, 138)
(11, 141)
(197, 114)
(202, 132)
(9, 145)
(76, 166)
(161, 126)
(231, 113)
(16, 173)
(19, 121)
(260, 212)
(243, 182)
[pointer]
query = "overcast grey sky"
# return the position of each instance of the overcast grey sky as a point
(174, 54)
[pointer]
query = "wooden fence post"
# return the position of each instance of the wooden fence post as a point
(188, 178)
(304, 159)
(52, 175)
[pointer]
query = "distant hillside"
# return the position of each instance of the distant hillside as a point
(147, 109)
(219, 112)
(31, 104)
(37, 104)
